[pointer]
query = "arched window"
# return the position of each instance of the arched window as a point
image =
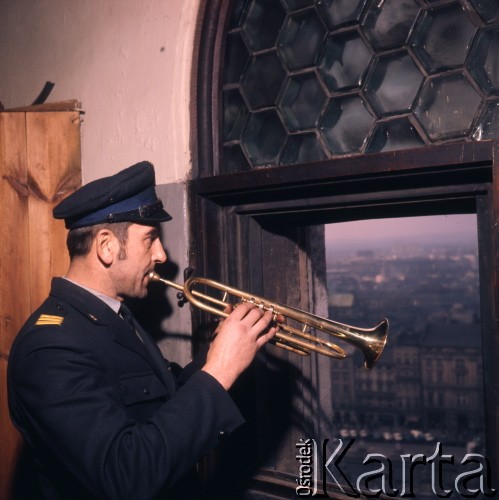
(306, 81)
(314, 113)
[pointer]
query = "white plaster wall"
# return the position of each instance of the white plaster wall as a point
(129, 62)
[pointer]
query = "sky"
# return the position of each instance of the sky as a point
(428, 228)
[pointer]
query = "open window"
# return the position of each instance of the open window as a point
(265, 232)
(428, 388)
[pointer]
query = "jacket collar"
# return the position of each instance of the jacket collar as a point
(88, 304)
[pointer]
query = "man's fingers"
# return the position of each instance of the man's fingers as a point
(241, 310)
(264, 320)
(228, 309)
(249, 313)
(257, 321)
(266, 337)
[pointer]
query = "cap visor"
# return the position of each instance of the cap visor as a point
(159, 216)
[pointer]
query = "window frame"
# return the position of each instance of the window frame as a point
(235, 217)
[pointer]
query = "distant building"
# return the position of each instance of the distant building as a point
(430, 381)
(451, 378)
(430, 375)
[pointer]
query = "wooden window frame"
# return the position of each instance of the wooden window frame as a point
(235, 218)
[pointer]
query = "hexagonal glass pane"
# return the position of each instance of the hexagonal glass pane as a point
(344, 61)
(236, 58)
(264, 138)
(298, 4)
(346, 125)
(262, 80)
(340, 12)
(398, 133)
(443, 37)
(234, 160)
(487, 9)
(301, 39)
(393, 83)
(302, 148)
(263, 22)
(236, 16)
(447, 106)
(302, 101)
(388, 24)
(483, 62)
(488, 123)
(235, 115)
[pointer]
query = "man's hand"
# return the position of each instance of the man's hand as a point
(238, 339)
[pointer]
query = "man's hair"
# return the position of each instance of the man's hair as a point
(80, 240)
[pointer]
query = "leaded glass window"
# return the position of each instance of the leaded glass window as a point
(307, 80)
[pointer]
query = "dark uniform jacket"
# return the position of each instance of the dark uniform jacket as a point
(101, 414)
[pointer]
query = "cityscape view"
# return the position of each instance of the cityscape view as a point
(427, 387)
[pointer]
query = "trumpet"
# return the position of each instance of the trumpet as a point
(370, 341)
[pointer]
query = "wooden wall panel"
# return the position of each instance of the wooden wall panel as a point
(53, 158)
(14, 250)
(14, 259)
(39, 166)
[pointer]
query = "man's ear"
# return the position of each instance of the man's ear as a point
(106, 246)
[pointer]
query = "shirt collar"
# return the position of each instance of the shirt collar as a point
(110, 301)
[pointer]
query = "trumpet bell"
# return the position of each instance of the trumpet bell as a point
(371, 342)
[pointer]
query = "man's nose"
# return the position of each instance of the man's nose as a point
(159, 253)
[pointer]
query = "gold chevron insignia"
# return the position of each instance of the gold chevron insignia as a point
(48, 319)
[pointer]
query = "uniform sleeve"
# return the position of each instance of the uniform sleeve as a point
(61, 394)
(195, 365)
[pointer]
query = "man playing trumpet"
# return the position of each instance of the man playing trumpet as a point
(101, 413)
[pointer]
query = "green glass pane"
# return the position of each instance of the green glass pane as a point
(346, 125)
(483, 62)
(337, 13)
(393, 83)
(302, 101)
(302, 148)
(236, 58)
(447, 106)
(237, 13)
(235, 115)
(233, 160)
(263, 22)
(443, 37)
(298, 4)
(388, 24)
(301, 40)
(487, 9)
(488, 123)
(262, 80)
(344, 61)
(394, 134)
(264, 137)
(302, 78)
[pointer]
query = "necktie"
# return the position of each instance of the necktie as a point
(127, 316)
(151, 348)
